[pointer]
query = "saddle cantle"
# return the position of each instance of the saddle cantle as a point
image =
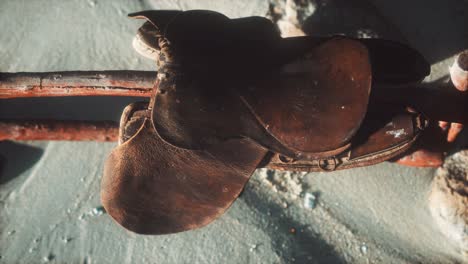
(231, 95)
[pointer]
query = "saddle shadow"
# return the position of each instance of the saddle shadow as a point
(404, 21)
(15, 158)
(67, 108)
(436, 28)
(19, 157)
(461, 143)
(358, 18)
(304, 246)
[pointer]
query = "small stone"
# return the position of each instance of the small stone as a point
(48, 258)
(310, 200)
(253, 247)
(81, 217)
(363, 249)
(98, 211)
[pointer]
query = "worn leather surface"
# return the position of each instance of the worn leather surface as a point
(386, 132)
(319, 99)
(331, 82)
(231, 96)
(152, 187)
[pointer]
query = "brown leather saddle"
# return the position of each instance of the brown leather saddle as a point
(231, 96)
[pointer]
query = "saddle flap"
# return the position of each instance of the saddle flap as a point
(152, 187)
(387, 131)
(317, 102)
(384, 129)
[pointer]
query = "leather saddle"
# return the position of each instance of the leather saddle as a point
(231, 96)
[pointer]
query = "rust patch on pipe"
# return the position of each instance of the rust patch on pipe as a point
(58, 130)
(77, 83)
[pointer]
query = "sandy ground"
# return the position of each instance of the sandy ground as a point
(49, 191)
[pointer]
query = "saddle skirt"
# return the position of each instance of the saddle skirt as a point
(231, 96)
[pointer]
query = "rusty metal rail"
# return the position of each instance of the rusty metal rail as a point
(76, 83)
(58, 130)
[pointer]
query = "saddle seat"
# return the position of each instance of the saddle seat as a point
(314, 104)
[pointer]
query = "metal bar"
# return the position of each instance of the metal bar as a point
(105, 131)
(58, 130)
(422, 158)
(77, 83)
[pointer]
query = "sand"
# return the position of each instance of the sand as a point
(50, 209)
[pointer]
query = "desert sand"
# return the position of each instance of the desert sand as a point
(50, 208)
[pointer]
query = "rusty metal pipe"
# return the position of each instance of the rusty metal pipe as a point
(106, 131)
(59, 130)
(76, 83)
(450, 105)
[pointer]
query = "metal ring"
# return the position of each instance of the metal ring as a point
(285, 159)
(322, 161)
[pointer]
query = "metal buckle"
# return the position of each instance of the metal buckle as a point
(324, 163)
